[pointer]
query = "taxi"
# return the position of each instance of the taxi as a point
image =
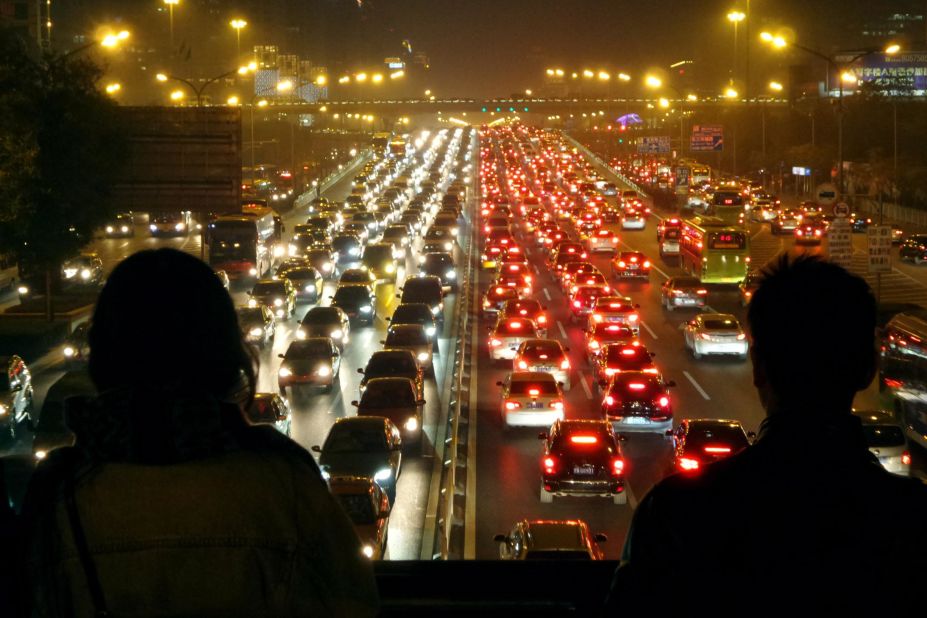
(631, 265)
(507, 335)
(530, 399)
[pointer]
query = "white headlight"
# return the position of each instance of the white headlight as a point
(69, 351)
(256, 332)
(430, 331)
(366, 309)
(411, 424)
(309, 288)
(179, 227)
(22, 290)
(3, 410)
(327, 266)
(383, 475)
(421, 259)
(124, 229)
(390, 268)
(454, 231)
(278, 302)
(85, 274)
(325, 371)
(325, 475)
(253, 272)
(109, 229)
(252, 303)
(423, 356)
(337, 334)
(300, 333)
(435, 310)
(354, 251)
(451, 274)
(367, 550)
(285, 372)
(153, 227)
(279, 250)
(40, 454)
(448, 246)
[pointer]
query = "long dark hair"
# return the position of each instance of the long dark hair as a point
(164, 322)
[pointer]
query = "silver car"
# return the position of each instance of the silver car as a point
(886, 440)
(715, 333)
(530, 399)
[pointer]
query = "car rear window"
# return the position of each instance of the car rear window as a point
(389, 365)
(352, 293)
(321, 315)
(883, 435)
(359, 508)
(310, 347)
(406, 336)
(262, 411)
(724, 435)
(390, 395)
(721, 324)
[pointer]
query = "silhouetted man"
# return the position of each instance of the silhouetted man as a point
(806, 521)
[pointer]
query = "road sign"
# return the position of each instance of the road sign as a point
(841, 209)
(840, 242)
(656, 144)
(826, 194)
(707, 138)
(880, 248)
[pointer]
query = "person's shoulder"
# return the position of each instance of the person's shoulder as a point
(266, 440)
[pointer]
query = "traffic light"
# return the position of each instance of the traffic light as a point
(484, 109)
(511, 109)
(498, 109)
(526, 109)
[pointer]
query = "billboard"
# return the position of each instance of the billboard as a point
(656, 144)
(181, 158)
(707, 138)
(902, 74)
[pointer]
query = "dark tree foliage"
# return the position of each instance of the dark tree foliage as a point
(60, 152)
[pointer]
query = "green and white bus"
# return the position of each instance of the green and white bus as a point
(713, 250)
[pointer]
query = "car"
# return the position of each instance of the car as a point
(631, 264)
(701, 441)
(638, 401)
(914, 249)
(582, 458)
(85, 269)
(270, 409)
(357, 302)
(544, 355)
(545, 539)
(357, 229)
(600, 334)
(347, 249)
(593, 277)
(886, 439)
(518, 271)
(440, 265)
(447, 240)
(748, 286)
(301, 245)
(367, 446)
(396, 399)
(665, 225)
(411, 337)
(416, 313)
(683, 291)
(603, 241)
(507, 335)
(616, 309)
(76, 349)
(368, 508)
(715, 334)
(122, 226)
(633, 219)
(859, 224)
(379, 260)
(620, 357)
(575, 270)
(16, 395)
(398, 236)
(326, 322)
(529, 309)
(763, 210)
(358, 276)
(495, 297)
(786, 221)
(278, 294)
(530, 399)
(258, 324)
(394, 363)
(425, 289)
(307, 282)
(567, 246)
(314, 361)
(897, 234)
(811, 231)
(583, 300)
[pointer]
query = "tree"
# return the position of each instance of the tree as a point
(60, 152)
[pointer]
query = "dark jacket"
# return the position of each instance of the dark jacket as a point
(804, 522)
(188, 511)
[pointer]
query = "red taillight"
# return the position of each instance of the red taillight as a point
(636, 386)
(609, 400)
(701, 292)
(522, 365)
(646, 263)
(629, 352)
(542, 319)
(617, 466)
(515, 325)
(593, 344)
(576, 303)
(556, 405)
(906, 458)
(663, 401)
(550, 465)
(687, 463)
(622, 264)
(741, 337)
(634, 260)
(512, 405)
(717, 450)
(534, 392)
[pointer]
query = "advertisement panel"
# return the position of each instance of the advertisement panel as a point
(707, 138)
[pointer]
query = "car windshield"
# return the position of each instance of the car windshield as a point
(352, 294)
(883, 435)
(322, 315)
(721, 324)
(268, 288)
(406, 336)
(346, 438)
(359, 508)
(388, 394)
(250, 315)
(724, 435)
(528, 387)
(313, 348)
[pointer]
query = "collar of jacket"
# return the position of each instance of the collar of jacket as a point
(153, 427)
(832, 437)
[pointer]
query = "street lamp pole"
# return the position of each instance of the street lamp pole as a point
(170, 10)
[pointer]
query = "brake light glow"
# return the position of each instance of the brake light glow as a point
(494, 342)
(717, 450)
(522, 365)
(687, 463)
(550, 464)
(646, 263)
(500, 290)
(610, 371)
(556, 405)
(617, 466)
(636, 386)
(741, 337)
(594, 345)
(534, 392)
(628, 352)
(512, 405)
(609, 400)
(663, 401)
(622, 264)
(576, 303)
(906, 458)
(583, 439)
(542, 319)
(701, 292)
(515, 325)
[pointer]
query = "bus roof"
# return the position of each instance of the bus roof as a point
(912, 322)
(715, 223)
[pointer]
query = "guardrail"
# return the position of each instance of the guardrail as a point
(332, 178)
(604, 164)
(447, 540)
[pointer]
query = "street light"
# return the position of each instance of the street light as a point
(775, 86)
(238, 24)
(652, 81)
(730, 93)
(377, 78)
(170, 9)
(735, 17)
(345, 79)
(664, 102)
(848, 78)
(588, 74)
(360, 77)
(691, 98)
(604, 76)
(232, 100)
(197, 90)
(113, 88)
(624, 77)
(177, 95)
(397, 74)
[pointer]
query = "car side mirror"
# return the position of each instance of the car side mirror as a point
(501, 538)
(542, 435)
(671, 384)
(316, 448)
(360, 370)
(281, 356)
(621, 437)
(499, 383)
(751, 435)
(600, 537)
(354, 403)
(669, 433)
(603, 383)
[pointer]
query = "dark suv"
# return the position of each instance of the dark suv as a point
(425, 289)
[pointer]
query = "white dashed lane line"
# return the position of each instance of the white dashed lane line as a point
(649, 330)
(546, 294)
(563, 332)
(701, 391)
(582, 380)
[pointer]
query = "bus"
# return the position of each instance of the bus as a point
(903, 371)
(398, 148)
(699, 174)
(726, 204)
(713, 250)
(242, 245)
(380, 142)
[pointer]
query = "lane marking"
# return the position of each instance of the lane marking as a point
(337, 400)
(563, 332)
(632, 498)
(547, 294)
(700, 390)
(582, 380)
(649, 330)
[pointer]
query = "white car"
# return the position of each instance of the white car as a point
(531, 399)
(604, 241)
(715, 333)
(633, 220)
(507, 335)
(886, 440)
